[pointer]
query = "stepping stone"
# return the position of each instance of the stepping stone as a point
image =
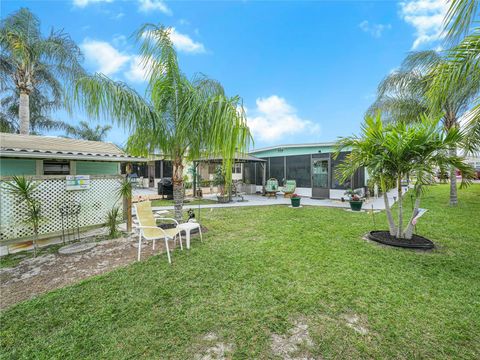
(76, 248)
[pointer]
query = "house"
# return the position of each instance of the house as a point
(67, 171)
(312, 166)
(34, 155)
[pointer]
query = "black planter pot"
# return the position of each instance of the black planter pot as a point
(356, 205)
(416, 242)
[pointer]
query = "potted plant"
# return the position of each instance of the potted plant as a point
(354, 199)
(219, 182)
(295, 200)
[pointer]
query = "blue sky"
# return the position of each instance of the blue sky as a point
(307, 71)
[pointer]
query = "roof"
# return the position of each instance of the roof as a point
(239, 158)
(288, 146)
(50, 147)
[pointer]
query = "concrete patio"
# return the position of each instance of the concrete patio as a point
(258, 200)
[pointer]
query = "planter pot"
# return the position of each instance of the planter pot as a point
(356, 205)
(223, 199)
(295, 201)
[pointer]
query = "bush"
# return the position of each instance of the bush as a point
(113, 217)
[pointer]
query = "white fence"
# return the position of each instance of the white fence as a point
(95, 203)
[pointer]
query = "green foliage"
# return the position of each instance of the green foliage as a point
(23, 190)
(33, 64)
(111, 221)
(85, 132)
(219, 179)
(395, 151)
(41, 107)
(125, 189)
(176, 115)
(253, 276)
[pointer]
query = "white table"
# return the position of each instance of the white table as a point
(189, 226)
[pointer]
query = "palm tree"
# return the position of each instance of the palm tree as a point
(403, 96)
(393, 151)
(85, 132)
(40, 109)
(31, 62)
(182, 118)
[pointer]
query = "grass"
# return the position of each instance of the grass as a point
(260, 269)
(163, 202)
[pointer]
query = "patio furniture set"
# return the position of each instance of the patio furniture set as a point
(149, 230)
(272, 188)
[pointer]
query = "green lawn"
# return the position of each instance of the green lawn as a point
(164, 202)
(258, 271)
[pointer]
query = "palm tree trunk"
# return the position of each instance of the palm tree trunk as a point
(408, 233)
(400, 207)
(178, 192)
(24, 113)
(453, 181)
(129, 213)
(391, 222)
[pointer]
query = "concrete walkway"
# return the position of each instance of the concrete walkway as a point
(257, 200)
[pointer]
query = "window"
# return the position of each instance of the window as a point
(299, 169)
(167, 168)
(249, 173)
(237, 169)
(259, 168)
(277, 168)
(56, 167)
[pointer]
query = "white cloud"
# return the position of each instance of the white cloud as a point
(376, 30)
(426, 16)
(137, 71)
(103, 56)
(83, 3)
(154, 5)
(275, 118)
(185, 43)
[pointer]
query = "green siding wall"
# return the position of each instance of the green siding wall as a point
(97, 168)
(10, 167)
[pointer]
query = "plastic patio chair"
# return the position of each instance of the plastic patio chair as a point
(271, 187)
(149, 230)
(289, 188)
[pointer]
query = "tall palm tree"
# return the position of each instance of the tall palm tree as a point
(181, 118)
(41, 108)
(403, 96)
(31, 62)
(392, 151)
(85, 132)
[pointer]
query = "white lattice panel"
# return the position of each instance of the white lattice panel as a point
(95, 203)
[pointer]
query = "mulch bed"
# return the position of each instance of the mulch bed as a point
(416, 242)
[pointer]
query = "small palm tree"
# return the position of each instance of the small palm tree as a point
(24, 190)
(125, 194)
(30, 61)
(85, 132)
(394, 151)
(182, 118)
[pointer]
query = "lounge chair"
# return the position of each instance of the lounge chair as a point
(148, 229)
(289, 188)
(271, 188)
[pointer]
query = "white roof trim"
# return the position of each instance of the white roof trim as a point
(287, 146)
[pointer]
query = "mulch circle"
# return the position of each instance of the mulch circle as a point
(416, 242)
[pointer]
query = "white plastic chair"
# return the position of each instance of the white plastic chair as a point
(149, 230)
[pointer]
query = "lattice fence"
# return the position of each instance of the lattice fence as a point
(95, 203)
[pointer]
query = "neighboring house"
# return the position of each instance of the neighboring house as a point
(312, 166)
(93, 171)
(46, 155)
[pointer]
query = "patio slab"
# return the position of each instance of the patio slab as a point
(258, 200)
